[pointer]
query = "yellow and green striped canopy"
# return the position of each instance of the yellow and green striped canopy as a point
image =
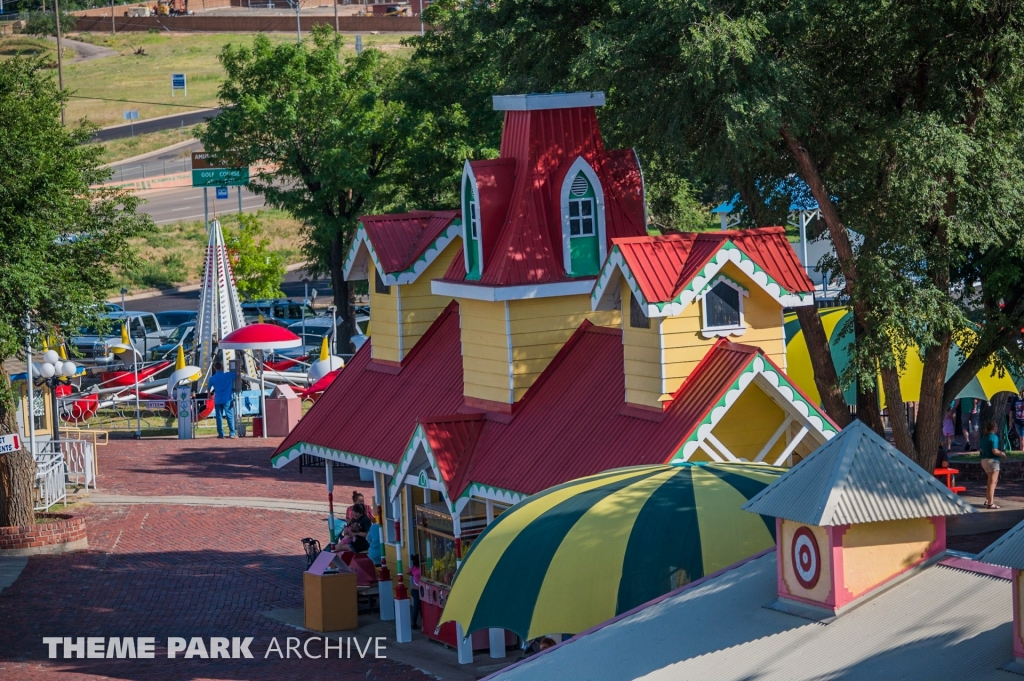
(836, 320)
(580, 553)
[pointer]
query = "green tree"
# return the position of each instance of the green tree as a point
(45, 23)
(61, 242)
(258, 270)
(330, 132)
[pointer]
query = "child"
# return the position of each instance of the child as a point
(989, 451)
(949, 428)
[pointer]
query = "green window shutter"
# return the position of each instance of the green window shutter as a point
(472, 221)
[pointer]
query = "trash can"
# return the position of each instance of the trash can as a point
(284, 409)
(329, 598)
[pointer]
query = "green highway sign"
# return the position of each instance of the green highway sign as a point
(220, 177)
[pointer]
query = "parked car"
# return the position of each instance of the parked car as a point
(183, 335)
(280, 311)
(316, 329)
(93, 342)
(171, 319)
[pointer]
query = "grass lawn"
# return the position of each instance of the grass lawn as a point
(172, 255)
(147, 77)
(127, 147)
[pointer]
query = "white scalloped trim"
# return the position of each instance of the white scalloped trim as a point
(408, 276)
(294, 452)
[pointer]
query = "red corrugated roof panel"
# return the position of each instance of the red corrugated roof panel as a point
(372, 410)
(572, 423)
(663, 265)
(399, 239)
(452, 439)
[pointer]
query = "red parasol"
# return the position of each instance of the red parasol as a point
(260, 337)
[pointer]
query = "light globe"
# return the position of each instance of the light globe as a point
(69, 369)
(46, 370)
(51, 357)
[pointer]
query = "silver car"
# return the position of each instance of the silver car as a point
(93, 343)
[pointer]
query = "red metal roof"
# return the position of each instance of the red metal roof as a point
(572, 421)
(663, 265)
(371, 410)
(450, 438)
(523, 244)
(399, 239)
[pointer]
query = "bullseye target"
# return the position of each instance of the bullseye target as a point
(806, 558)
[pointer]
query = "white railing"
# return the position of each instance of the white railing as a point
(80, 458)
(50, 481)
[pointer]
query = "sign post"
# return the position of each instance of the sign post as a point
(131, 117)
(178, 83)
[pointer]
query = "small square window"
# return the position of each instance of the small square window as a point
(722, 307)
(378, 284)
(638, 319)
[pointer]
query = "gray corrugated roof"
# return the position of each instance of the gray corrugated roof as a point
(940, 624)
(1008, 550)
(856, 477)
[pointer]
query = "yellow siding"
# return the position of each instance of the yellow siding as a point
(383, 324)
(419, 309)
(685, 346)
(642, 358)
(536, 330)
(750, 423)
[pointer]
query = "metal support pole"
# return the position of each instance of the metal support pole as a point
(206, 209)
(298, 22)
(263, 393)
(239, 202)
(138, 408)
(31, 406)
(336, 15)
(60, 58)
(330, 496)
(305, 301)
(113, 30)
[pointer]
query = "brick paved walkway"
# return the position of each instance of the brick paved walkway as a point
(160, 570)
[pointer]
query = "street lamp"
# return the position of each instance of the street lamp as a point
(127, 345)
(54, 371)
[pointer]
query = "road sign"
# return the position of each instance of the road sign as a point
(178, 83)
(9, 443)
(208, 171)
(130, 115)
(222, 192)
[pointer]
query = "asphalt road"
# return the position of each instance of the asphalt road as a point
(189, 300)
(186, 203)
(186, 118)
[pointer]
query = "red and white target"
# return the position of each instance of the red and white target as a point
(806, 558)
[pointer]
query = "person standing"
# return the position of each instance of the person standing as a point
(990, 455)
(222, 383)
(970, 416)
(1017, 408)
(949, 428)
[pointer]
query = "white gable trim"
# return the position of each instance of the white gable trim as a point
(455, 289)
(727, 252)
(580, 165)
(417, 443)
(361, 252)
(714, 331)
(779, 389)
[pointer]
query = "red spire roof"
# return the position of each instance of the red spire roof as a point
(520, 192)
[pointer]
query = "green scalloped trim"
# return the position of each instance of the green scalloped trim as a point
(827, 427)
(518, 496)
(606, 273)
(409, 451)
(355, 459)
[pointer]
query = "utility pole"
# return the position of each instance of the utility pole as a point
(113, 30)
(335, 14)
(60, 58)
(298, 22)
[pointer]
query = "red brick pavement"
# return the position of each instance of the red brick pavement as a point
(214, 467)
(162, 571)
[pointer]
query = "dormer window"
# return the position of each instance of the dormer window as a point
(471, 225)
(722, 308)
(582, 204)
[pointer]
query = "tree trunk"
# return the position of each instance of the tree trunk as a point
(825, 377)
(994, 411)
(928, 434)
(343, 336)
(898, 418)
(17, 469)
(868, 411)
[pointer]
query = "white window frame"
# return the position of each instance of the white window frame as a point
(578, 166)
(470, 178)
(731, 330)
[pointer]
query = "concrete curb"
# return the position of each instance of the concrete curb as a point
(262, 503)
(162, 150)
(49, 549)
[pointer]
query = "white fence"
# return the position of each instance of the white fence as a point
(59, 463)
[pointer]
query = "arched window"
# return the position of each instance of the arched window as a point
(471, 225)
(722, 308)
(583, 241)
